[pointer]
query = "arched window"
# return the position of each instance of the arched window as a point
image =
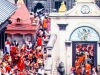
(18, 19)
(84, 33)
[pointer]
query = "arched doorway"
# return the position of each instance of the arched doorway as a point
(38, 6)
(84, 46)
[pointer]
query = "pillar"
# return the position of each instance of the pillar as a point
(3, 39)
(48, 63)
(12, 38)
(23, 38)
(62, 47)
(68, 56)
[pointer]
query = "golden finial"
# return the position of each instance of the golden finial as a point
(62, 7)
(20, 1)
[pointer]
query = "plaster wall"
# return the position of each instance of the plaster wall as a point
(74, 23)
(55, 57)
(65, 53)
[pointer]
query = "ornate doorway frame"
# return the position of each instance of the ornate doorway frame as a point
(84, 42)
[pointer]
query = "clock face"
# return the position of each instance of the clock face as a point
(84, 34)
(85, 9)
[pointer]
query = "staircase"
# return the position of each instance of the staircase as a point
(55, 65)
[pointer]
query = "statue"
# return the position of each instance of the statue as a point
(61, 68)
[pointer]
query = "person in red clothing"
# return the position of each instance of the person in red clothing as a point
(21, 65)
(7, 42)
(87, 68)
(40, 53)
(79, 71)
(77, 63)
(8, 68)
(45, 23)
(13, 51)
(39, 41)
(20, 73)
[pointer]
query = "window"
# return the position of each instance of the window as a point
(18, 19)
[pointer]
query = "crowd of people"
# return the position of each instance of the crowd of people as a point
(30, 58)
(84, 63)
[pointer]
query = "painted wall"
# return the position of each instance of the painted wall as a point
(65, 53)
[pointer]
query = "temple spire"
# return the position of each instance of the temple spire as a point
(20, 1)
(62, 7)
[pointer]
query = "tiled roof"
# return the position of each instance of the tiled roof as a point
(21, 12)
(6, 10)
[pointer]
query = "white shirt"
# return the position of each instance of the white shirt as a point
(41, 71)
(30, 45)
(27, 42)
(8, 48)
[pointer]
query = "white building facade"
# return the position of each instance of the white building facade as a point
(78, 26)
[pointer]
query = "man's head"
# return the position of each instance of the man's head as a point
(41, 67)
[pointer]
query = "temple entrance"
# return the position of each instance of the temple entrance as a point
(38, 6)
(84, 53)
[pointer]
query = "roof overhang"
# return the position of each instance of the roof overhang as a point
(3, 25)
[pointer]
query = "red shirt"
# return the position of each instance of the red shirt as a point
(21, 73)
(8, 42)
(39, 41)
(8, 68)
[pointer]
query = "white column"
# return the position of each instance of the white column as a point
(62, 48)
(69, 59)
